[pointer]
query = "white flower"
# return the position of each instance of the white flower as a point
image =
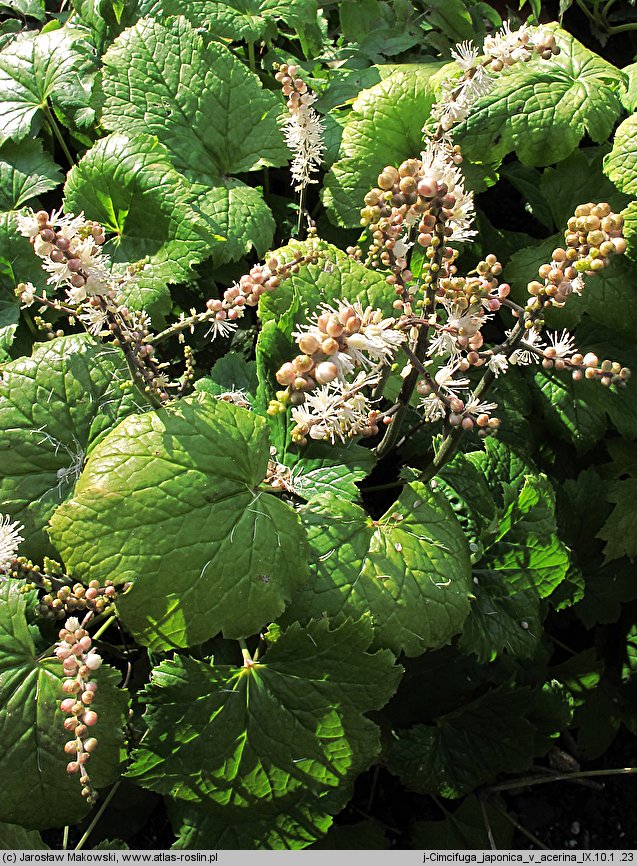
(402, 246)
(473, 406)
(465, 55)
(444, 378)
(220, 328)
(434, 408)
(437, 162)
(498, 364)
(10, 540)
(335, 411)
(28, 225)
(522, 356)
(27, 294)
(239, 398)
(94, 320)
(72, 623)
(562, 344)
(508, 46)
(460, 322)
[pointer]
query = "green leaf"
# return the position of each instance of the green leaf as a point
(409, 569)
(543, 108)
(621, 163)
(26, 171)
(467, 747)
(17, 264)
(37, 790)
(518, 558)
(12, 836)
(129, 185)
(334, 277)
(579, 179)
(240, 215)
(54, 408)
(170, 501)
(630, 98)
(36, 69)
(227, 751)
(569, 408)
(527, 181)
(463, 829)
(236, 20)
(26, 9)
(231, 373)
(383, 128)
(227, 829)
(324, 468)
(214, 120)
(620, 529)
(452, 18)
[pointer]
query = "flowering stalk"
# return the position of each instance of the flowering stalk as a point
(79, 661)
(303, 130)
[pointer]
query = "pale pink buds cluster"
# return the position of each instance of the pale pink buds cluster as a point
(79, 661)
(223, 314)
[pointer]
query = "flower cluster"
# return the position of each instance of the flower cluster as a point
(79, 661)
(303, 128)
(337, 341)
(337, 411)
(70, 249)
(10, 540)
(223, 314)
(77, 598)
(501, 50)
(594, 235)
(425, 198)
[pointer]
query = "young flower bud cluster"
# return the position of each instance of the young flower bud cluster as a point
(77, 599)
(425, 199)
(339, 340)
(70, 249)
(303, 128)
(79, 661)
(225, 313)
(594, 235)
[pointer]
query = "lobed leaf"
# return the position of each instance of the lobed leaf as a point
(542, 109)
(54, 407)
(280, 740)
(170, 501)
(410, 569)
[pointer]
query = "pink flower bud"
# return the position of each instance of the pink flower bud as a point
(85, 643)
(89, 718)
(93, 661)
(67, 705)
(72, 767)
